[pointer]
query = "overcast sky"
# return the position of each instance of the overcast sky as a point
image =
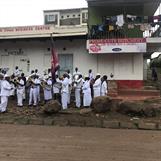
(30, 12)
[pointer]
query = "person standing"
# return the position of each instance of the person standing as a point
(24, 90)
(37, 83)
(97, 85)
(76, 74)
(33, 91)
(16, 72)
(20, 89)
(47, 89)
(70, 85)
(65, 91)
(1, 79)
(79, 84)
(87, 98)
(90, 73)
(5, 92)
(104, 86)
(56, 89)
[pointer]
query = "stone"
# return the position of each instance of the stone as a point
(101, 104)
(146, 109)
(130, 108)
(52, 107)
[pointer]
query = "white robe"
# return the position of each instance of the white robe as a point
(104, 88)
(20, 92)
(87, 98)
(5, 92)
(79, 84)
(97, 87)
(47, 91)
(64, 93)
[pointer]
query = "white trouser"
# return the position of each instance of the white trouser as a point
(69, 97)
(4, 102)
(64, 100)
(24, 93)
(77, 97)
(20, 97)
(33, 96)
(38, 93)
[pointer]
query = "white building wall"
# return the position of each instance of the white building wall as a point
(123, 66)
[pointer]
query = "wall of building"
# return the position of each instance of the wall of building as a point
(30, 55)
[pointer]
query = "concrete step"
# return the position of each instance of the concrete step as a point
(138, 92)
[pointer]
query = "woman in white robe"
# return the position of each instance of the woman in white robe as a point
(87, 98)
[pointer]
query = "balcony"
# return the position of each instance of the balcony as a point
(129, 26)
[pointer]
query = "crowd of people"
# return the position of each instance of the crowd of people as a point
(22, 87)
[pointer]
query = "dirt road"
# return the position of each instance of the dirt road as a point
(42, 143)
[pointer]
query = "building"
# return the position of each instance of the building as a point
(117, 36)
(29, 47)
(121, 50)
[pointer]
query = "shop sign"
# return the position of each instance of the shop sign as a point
(131, 45)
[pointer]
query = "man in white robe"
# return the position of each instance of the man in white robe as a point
(65, 91)
(48, 89)
(79, 84)
(87, 98)
(5, 92)
(33, 92)
(104, 87)
(20, 90)
(97, 85)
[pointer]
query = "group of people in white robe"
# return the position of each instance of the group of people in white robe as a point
(60, 89)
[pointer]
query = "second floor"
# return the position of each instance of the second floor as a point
(66, 17)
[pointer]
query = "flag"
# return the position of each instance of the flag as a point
(54, 61)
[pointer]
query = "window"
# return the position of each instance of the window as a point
(67, 16)
(84, 17)
(62, 17)
(51, 18)
(73, 15)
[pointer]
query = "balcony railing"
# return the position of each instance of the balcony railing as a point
(97, 32)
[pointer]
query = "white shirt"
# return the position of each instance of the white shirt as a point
(21, 84)
(76, 75)
(5, 88)
(97, 84)
(65, 85)
(79, 83)
(57, 86)
(16, 72)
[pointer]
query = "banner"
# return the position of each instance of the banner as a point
(54, 60)
(131, 45)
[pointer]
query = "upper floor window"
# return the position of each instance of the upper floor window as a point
(84, 17)
(52, 18)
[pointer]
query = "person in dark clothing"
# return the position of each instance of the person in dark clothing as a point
(154, 75)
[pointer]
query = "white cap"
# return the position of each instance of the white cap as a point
(98, 74)
(6, 75)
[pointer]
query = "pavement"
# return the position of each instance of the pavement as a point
(50, 143)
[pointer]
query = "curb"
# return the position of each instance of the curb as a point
(99, 123)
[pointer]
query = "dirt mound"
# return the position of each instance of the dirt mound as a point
(101, 104)
(52, 107)
(149, 109)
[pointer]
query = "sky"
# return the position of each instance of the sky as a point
(30, 12)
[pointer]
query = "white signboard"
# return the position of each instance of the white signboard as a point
(131, 45)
